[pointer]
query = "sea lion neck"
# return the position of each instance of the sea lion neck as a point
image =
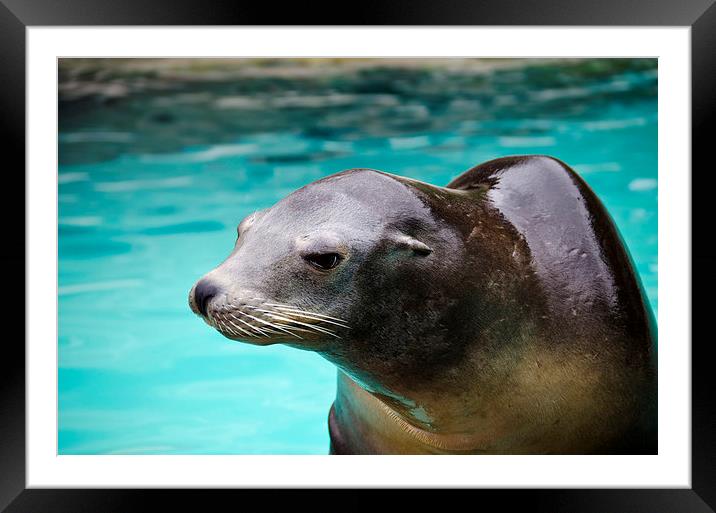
(391, 420)
(440, 392)
(535, 407)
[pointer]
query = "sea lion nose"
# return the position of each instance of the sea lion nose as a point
(204, 291)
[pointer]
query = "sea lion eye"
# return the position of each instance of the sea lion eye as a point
(323, 261)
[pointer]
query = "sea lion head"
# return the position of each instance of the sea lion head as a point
(357, 262)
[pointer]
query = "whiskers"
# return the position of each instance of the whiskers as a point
(268, 320)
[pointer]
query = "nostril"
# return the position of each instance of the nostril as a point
(203, 292)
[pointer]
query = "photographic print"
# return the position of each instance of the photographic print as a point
(357, 256)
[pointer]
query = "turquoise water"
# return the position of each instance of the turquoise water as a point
(140, 374)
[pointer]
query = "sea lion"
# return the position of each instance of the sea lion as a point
(500, 314)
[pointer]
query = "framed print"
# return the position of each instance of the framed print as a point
(477, 223)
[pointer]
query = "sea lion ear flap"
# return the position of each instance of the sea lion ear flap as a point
(408, 242)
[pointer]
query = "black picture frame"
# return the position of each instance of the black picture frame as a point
(17, 15)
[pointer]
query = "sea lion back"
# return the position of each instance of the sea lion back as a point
(575, 247)
(594, 299)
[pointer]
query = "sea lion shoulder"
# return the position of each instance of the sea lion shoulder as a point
(535, 167)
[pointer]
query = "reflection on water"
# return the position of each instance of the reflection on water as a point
(156, 172)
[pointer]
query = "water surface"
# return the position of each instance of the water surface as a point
(152, 186)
